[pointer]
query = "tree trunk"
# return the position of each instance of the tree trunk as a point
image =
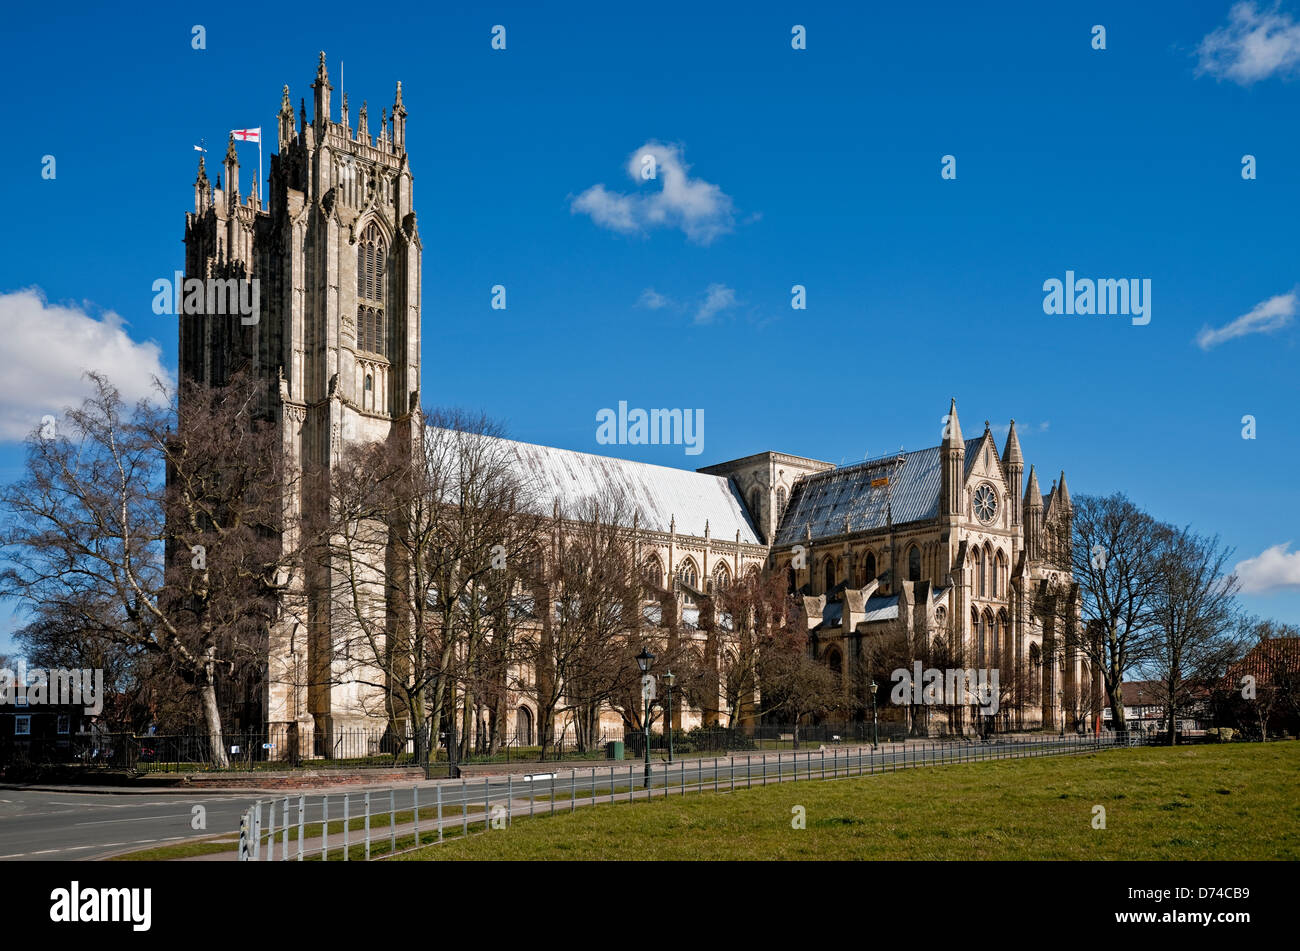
(212, 717)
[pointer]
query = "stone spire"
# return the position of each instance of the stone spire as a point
(952, 430)
(952, 455)
(1063, 493)
(201, 188)
(322, 88)
(399, 121)
(1033, 517)
(231, 165)
(1033, 497)
(1011, 454)
(1013, 465)
(286, 128)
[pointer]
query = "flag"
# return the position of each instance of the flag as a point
(199, 148)
(248, 135)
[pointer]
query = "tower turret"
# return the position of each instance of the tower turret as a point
(1013, 463)
(399, 121)
(231, 165)
(1033, 515)
(953, 455)
(201, 189)
(322, 88)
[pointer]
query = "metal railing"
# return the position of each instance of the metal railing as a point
(374, 824)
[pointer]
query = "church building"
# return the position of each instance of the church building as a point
(948, 547)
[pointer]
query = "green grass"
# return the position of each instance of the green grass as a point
(1192, 803)
(179, 850)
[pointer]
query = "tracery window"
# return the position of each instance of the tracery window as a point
(372, 282)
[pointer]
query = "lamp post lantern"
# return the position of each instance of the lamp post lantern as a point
(644, 660)
(875, 733)
(669, 678)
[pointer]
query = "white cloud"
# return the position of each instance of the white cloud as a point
(1254, 45)
(653, 300)
(717, 298)
(702, 210)
(1275, 567)
(47, 348)
(1265, 317)
(1002, 429)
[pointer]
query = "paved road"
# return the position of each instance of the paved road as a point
(44, 825)
(37, 825)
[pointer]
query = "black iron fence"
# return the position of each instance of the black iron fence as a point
(287, 747)
(376, 824)
(284, 747)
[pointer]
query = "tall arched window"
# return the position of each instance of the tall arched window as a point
(830, 572)
(979, 572)
(721, 577)
(914, 564)
(869, 569)
(688, 574)
(372, 284)
(780, 502)
(654, 571)
(1000, 638)
(1000, 575)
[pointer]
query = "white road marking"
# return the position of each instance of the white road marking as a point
(102, 822)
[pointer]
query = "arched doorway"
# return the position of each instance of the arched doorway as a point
(523, 727)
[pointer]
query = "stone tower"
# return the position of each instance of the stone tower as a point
(336, 254)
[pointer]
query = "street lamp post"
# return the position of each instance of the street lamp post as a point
(875, 732)
(1060, 695)
(669, 678)
(644, 660)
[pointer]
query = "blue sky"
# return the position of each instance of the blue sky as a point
(818, 167)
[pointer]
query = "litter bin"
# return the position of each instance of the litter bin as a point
(614, 750)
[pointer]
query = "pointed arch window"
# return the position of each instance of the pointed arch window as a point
(688, 574)
(830, 572)
(372, 286)
(914, 564)
(869, 569)
(654, 571)
(979, 573)
(721, 577)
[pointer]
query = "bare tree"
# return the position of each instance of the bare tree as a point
(1114, 558)
(157, 530)
(754, 606)
(583, 654)
(1194, 615)
(421, 547)
(794, 683)
(1267, 678)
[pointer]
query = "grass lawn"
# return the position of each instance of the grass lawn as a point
(181, 850)
(1235, 801)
